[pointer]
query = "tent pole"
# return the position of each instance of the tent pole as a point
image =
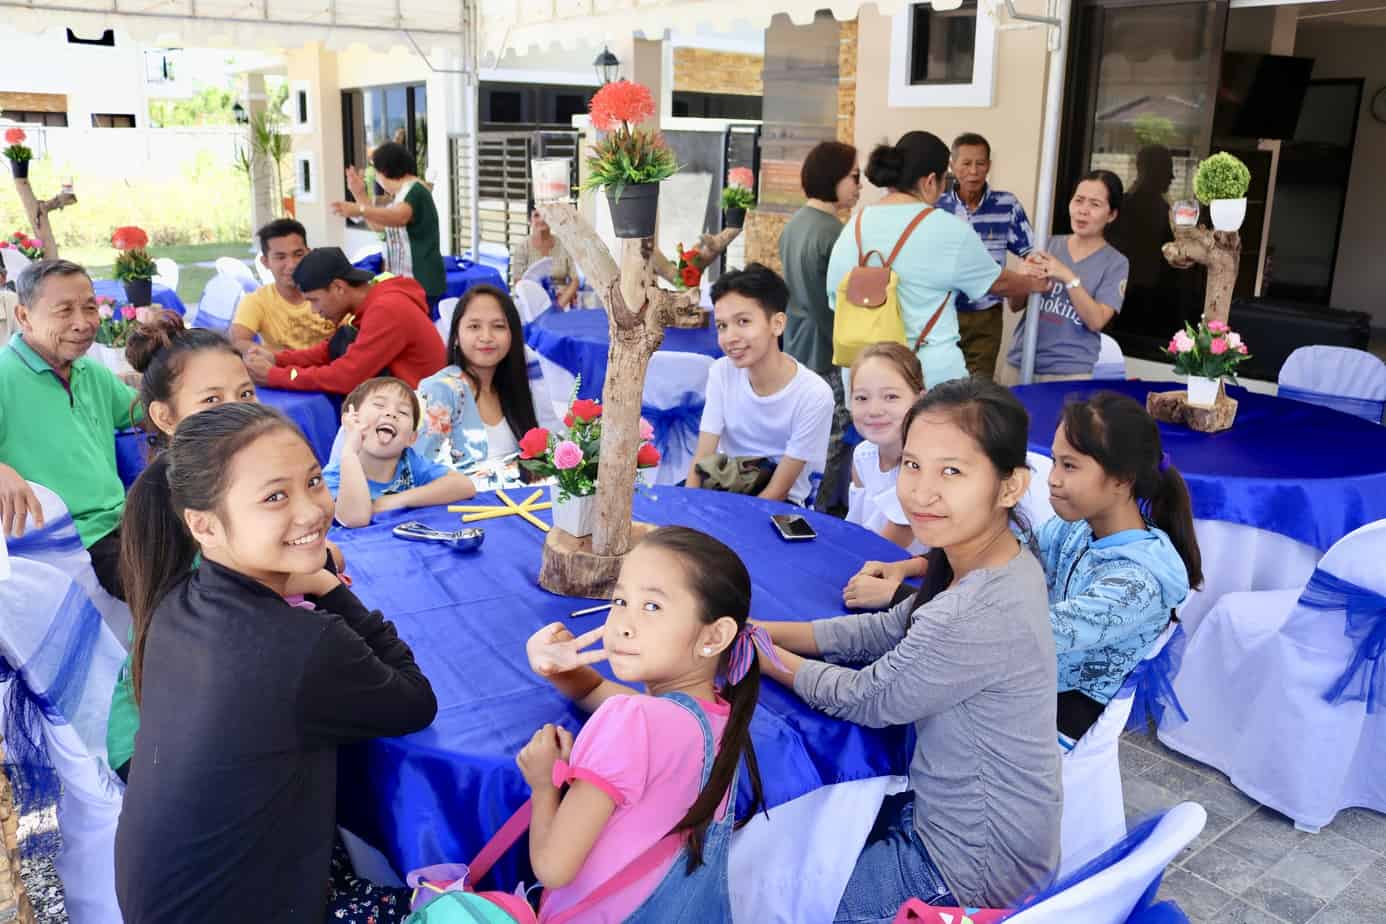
(1049, 168)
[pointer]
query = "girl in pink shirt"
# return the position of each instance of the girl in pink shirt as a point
(641, 831)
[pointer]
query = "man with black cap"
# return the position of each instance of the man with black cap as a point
(393, 334)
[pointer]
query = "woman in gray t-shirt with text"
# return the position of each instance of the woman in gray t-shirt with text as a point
(969, 662)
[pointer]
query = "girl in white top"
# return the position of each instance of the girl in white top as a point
(887, 378)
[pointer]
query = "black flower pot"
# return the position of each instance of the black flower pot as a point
(20, 168)
(633, 215)
(733, 218)
(139, 292)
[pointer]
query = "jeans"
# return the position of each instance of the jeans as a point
(892, 867)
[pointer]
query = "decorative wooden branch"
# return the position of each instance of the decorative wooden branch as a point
(1220, 252)
(710, 247)
(38, 214)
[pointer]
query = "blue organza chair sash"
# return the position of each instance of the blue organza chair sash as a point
(57, 537)
(1152, 681)
(679, 422)
(1366, 408)
(1364, 680)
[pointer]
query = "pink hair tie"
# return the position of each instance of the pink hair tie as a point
(743, 652)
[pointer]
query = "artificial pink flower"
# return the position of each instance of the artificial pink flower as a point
(127, 312)
(1242, 349)
(147, 315)
(646, 430)
(567, 455)
(1182, 343)
(1234, 339)
(1218, 346)
(1218, 327)
(104, 310)
(741, 177)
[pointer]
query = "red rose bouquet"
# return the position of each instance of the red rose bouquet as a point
(571, 458)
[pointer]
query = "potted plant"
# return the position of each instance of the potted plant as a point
(1207, 355)
(30, 247)
(628, 162)
(738, 197)
(17, 152)
(133, 265)
(1221, 183)
(571, 460)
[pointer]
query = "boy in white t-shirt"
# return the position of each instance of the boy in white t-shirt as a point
(760, 403)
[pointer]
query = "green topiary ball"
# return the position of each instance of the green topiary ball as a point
(1221, 176)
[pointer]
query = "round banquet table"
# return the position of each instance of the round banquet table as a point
(162, 295)
(1270, 495)
(578, 341)
(461, 274)
(438, 795)
(316, 413)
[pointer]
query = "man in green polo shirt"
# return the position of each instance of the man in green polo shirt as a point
(59, 412)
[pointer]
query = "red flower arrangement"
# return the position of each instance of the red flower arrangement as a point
(621, 102)
(30, 247)
(571, 459)
(690, 268)
(15, 136)
(17, 152)
(582, 409)
(129, 237)
(741, 177)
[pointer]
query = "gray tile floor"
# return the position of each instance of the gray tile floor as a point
(1250, 865)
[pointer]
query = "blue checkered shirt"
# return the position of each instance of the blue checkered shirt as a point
(1001, 223)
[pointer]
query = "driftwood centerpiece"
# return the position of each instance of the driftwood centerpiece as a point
(38, 211)
(1220, 252)
(1174, 407)
(638, 311)
(709, 248)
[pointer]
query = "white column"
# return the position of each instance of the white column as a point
(317, 143)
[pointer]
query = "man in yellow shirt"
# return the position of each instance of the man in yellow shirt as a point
(278, 312)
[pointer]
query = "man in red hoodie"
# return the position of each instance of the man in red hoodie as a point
(393, 334)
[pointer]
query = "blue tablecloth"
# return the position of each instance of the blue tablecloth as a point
(579, 340)
(438, 795)
(316, 413)
(1303, 471)
(462, 274)
(162, 295)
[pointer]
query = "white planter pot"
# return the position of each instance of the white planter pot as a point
(113, 358)
(1203, 392)
(1228, 214)
(576, 515)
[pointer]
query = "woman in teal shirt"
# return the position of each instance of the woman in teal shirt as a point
(941, 256)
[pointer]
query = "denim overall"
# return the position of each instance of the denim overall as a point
(702, 897)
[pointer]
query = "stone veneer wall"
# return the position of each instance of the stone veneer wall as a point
(14, 903)
(702, 70)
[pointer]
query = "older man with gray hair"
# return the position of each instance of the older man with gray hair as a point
(59, 412)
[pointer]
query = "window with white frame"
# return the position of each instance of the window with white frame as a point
(305, 177)
(943, 57)
(300, 108)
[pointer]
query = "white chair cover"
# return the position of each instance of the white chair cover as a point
(1111, 362)
(218, 305)
(263, 271)
(1253, 681)
(675, 385)
(444, 323)
(230, 266)
(1238, 558)
(539, 270)
(1109, 895)
(1094, 810)
(367, 250)
(1035, 504)
(167, 274)
(792, 866)
(49, 619)
(531, 299)
(1327, 375)
(14, 262)
(57, 544)
(555, 383)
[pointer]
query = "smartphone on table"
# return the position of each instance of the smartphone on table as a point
(793, 527)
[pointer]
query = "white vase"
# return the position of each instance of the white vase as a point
(1228, 214)
(113, 358)
(1203, 392)
(576, 515)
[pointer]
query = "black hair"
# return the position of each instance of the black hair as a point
(719, 580)
(1115, 191)
(914, 157)
(512, 375)
(393, 160)
(826, 166)
(280, 227)
(156, 548)
(1121, 436)
(971, 140)
(30, 279)
(158, 350)
(757, 282)
(995, 418)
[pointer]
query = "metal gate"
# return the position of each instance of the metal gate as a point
(505, 194)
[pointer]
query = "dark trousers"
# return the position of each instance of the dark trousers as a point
(105, 561)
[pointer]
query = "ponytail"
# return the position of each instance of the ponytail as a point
(1118, 432)
(156, 552)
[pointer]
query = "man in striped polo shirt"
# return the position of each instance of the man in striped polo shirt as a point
(1000, 220)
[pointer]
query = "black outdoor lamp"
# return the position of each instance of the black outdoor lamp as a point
(608, 66)
(242, 118)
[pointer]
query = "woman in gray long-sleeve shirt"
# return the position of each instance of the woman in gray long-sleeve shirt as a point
(969, 662)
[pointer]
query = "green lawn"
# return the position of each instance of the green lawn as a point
(191, 278)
